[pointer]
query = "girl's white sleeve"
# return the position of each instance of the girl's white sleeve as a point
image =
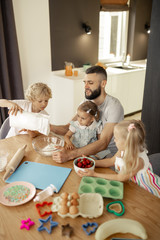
(72, 128)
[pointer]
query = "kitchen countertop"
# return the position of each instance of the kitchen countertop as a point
(111, 70)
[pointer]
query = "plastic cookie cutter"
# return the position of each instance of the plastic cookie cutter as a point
(52, 224)
(90, 224)
(116, 208)
(25, 225)
(39, 205)
(67, 230)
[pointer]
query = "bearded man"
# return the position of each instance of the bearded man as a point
(111, 112)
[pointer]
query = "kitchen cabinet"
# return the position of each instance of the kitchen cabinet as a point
(128, 88)
(68, 92)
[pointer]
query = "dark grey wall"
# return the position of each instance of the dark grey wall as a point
(140, 14)
(69, 42)
(151, 107)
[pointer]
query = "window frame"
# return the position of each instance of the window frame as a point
(122, 48)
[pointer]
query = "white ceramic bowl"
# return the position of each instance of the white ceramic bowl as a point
(75, 162)
(47, 145)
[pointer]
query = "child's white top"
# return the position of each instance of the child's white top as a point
(83, 135)
(145, 178)
(119, 163)
(92, 126)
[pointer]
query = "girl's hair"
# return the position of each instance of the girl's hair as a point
(36, 90)
(90, 108)
(133, 133)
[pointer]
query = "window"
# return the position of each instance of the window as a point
(113, 29)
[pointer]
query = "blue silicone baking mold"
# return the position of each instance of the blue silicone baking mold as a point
(107, 188)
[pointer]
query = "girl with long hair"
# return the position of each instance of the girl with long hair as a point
(131, 161)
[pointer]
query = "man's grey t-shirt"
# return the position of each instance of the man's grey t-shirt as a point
(111, 111)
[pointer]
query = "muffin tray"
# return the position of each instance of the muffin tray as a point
(90, 205)
(107, 188)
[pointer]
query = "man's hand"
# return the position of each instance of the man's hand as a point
(61, 156)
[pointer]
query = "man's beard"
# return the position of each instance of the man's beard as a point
(94, 94)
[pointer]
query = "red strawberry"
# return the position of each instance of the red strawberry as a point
(84, 162)
(88, 161)
(79, 164)
(88, 166)
(79, 160)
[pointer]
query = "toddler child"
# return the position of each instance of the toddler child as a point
(131, 160)
(37, 97)
(86, 129)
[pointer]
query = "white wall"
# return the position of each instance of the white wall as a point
(32, 25)
(33, 33)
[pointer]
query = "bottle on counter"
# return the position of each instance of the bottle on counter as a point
(123, 58)
(128, 60)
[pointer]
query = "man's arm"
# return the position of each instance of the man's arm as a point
(59, 129)
(93, 148)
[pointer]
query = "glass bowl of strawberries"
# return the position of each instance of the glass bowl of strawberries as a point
(81, 163)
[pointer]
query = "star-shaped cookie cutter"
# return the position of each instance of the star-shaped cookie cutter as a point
(27, 226)
(52, 224)
(90, 224)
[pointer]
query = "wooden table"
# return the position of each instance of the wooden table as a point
(139, 204)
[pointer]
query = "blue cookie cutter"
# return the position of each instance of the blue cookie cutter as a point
(90, 224)
(52, 224)
(113, 211)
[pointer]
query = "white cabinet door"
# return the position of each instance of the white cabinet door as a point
(128, 88)
(67, 95)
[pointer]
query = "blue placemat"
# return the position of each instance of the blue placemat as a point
(40, 175)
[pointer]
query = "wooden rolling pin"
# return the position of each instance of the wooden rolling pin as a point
(14, 162)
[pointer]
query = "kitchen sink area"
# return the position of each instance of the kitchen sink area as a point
(135, 65)
(129, 67)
